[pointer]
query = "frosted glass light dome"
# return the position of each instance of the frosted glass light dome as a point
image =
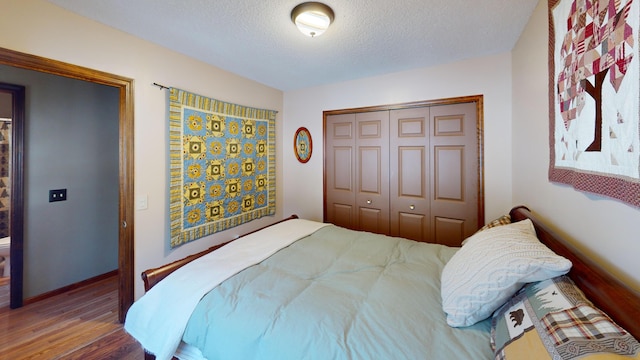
(312, 18)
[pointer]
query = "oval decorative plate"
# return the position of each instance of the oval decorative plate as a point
(302, 145)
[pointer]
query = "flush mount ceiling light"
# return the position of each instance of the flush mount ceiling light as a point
(312, 18)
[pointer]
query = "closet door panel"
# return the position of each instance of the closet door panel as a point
(412, 226)
(372, 157)
(340, 159)
(449, 231)
(342, 214)
(409, 180)
(370, 169)
(342, 171)
(454, 173)
(449, 173)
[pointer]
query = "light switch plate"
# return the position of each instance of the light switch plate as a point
(142, 202)
(57, 195)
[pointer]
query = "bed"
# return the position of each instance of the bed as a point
(298, 299)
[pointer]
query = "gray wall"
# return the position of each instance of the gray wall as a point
(71, 142)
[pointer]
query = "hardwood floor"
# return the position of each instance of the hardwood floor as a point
(79, 324)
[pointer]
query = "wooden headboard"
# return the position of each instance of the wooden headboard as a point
(618, 300)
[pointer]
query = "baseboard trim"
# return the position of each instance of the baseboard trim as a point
(70, 287)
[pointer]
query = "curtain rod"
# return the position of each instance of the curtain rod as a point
(161, 86)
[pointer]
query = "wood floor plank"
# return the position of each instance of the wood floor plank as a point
(79, 324)
(103, 348)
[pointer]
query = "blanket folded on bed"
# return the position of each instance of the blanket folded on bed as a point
(155, 320)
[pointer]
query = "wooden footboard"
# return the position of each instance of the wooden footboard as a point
(153, 276)
(618, 300)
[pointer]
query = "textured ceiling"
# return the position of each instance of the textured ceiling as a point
(256, 39)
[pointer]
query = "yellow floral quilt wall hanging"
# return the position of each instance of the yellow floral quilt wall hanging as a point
(222, 165)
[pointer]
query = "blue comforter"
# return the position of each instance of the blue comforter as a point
(336, 294)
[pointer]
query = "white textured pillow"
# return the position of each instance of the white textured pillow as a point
(492, 266)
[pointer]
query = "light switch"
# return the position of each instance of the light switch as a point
(57, 195)
(142, 202)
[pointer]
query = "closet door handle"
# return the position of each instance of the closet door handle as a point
(368, 201)
(412, 207)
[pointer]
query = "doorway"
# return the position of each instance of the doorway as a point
(15, 108)
(6, 116)
(125, 192)
(11, 112)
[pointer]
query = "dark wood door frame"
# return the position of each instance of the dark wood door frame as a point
(17, 195)
(126, 192)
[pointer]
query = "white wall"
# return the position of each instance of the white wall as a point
(608, 228)
(41, 28)
(488, 76)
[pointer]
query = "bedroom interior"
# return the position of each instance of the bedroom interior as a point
(513, 158)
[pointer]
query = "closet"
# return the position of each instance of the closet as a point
(410, 170)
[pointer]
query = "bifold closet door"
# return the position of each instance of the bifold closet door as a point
(434, 173)
(409, 162)
(340, 170)
(357, 171)
(411, 172)
(454, 172)
(372, 174)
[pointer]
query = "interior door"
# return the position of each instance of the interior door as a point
(454, 172)
(340, 170)
(409, 180)
(372, 159)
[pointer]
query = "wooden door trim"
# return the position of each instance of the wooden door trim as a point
(17, 195)
(478, 99)
(126, 166)
(407, 105)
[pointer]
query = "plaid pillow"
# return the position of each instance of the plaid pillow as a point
(502, 220)
(552, 319)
